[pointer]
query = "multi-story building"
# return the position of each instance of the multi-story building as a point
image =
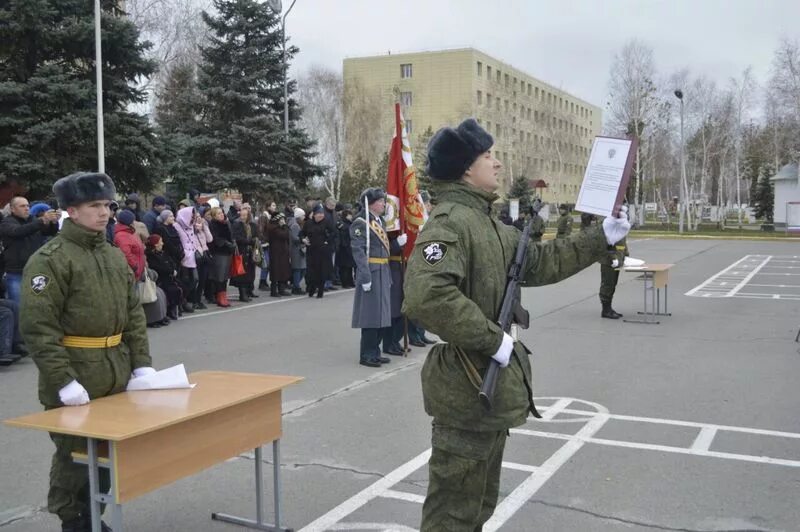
(540, 131)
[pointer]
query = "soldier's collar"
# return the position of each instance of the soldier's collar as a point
(83, 237)
(465, 194)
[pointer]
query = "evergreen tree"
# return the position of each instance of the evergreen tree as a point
(47, 95)
(421, 159)
(242, 143)
(179, 102)
(765, 194)
(358, 177)
(521, 189)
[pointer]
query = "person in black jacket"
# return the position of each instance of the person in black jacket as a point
(317, 235)
(169, 234)
(22, 235)
(245, 233)
(166, 269)
(222, 248)
(333, 244)
(344, 254)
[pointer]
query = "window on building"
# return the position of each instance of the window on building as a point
(409, 126)
(498, 131)
(514, 107)
(530, 88)
(480, 98)
(549, 98)
(488, 126)
(405, 99)
(488, 72)
(536, 93)
(488, 100)
(405, 70)
(506, 105)
(498, 76)
(507, 78)
(521, 137)
(529, 113)
(536, 116)
(515, 82)
(480, 69)
(529, 137)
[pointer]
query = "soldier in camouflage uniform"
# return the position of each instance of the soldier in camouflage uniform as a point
(609, 276)
(85, 328)
(564, 228)
(454, 287)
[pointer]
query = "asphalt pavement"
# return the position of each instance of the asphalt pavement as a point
(688, 425)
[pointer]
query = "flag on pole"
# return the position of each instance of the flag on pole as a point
(405, 211)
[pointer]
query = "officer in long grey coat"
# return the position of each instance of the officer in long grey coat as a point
(372, 305)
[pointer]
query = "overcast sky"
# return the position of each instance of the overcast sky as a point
(567, 43)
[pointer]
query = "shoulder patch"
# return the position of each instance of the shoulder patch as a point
(357, 231)
(39, 283)
(434, 252)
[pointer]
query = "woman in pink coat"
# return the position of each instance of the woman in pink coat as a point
(184, 224)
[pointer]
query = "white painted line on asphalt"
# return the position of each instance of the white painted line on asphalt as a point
(704, 439)
(714, 277)
(247, 306)
(522, 494)
(748, 277)
(403, 496)
(520, 467)
(327, 521)
(381, 527)
(555, 408)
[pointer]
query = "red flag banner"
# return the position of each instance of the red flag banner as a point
(405, 211)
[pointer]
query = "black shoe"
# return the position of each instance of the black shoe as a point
(165, 321)
(154, 325)
(617, 313)
(384, 360)
(609, 313)
(417, 343)
(393, 351)
(297, 291)
(284, 292)
(252, 294)
(200, 306)
(331, 288)
(263, 286)
(311, 294)
(188, 308)
(243, 296)
(370, 363)
(173, 313)
(7, 360)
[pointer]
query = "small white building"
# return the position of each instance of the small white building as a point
(787, 198)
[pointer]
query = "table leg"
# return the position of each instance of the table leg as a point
(649, 286)
(116, 508)
(258, 523)
(94, 484)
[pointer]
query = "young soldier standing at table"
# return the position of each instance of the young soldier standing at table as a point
(455, 283)
(84, 326)
(372, 306)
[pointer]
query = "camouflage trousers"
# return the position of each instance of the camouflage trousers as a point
(608, 283)
(68, 496)
(463, 479)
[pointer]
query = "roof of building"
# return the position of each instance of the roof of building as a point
(790, 172)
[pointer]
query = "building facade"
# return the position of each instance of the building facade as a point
(540, 131)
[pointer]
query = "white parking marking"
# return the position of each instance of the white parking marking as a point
(752, 271)
(539, 475)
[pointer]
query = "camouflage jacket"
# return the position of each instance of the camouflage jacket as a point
(564, 228)
(79, 285)
(454, 287)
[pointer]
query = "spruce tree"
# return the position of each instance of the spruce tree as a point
(765, 194)
(242, 143)
(521, 189)
(47, 95)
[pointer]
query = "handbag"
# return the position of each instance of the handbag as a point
(147, 289)
(258, 253)
(237, 264)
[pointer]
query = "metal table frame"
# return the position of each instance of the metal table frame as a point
(96, 498)
(649, 278)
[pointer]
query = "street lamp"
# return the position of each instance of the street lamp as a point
(277, 6)
(98, 52)
(679, 95)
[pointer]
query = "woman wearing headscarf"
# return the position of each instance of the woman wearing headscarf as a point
(317, 233)
(165, 228)
(279, 262)
(191, 250)
(245, 233)
(204, 238)
(222, 248)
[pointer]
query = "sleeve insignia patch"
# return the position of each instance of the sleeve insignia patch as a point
(434, 252)
(39, 283)
(357, 231)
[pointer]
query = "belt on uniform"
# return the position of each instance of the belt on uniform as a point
(378, 260)
(396, 258)
(89, 342)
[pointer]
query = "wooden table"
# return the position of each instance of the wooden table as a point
(148, 439)
(656, 277)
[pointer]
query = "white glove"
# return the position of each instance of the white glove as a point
(367, 286)
(141, 372)
(503, 354)
(616, 229)
(73, 394)
(402, 239)
(615, 263)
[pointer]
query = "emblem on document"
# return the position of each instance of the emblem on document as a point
(611, 153)
(434, 252)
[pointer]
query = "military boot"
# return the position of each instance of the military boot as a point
(609, 313)
(243, 297)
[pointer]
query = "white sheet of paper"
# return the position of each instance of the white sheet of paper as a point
(604, 173)
(166, 379)
(630, 261)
